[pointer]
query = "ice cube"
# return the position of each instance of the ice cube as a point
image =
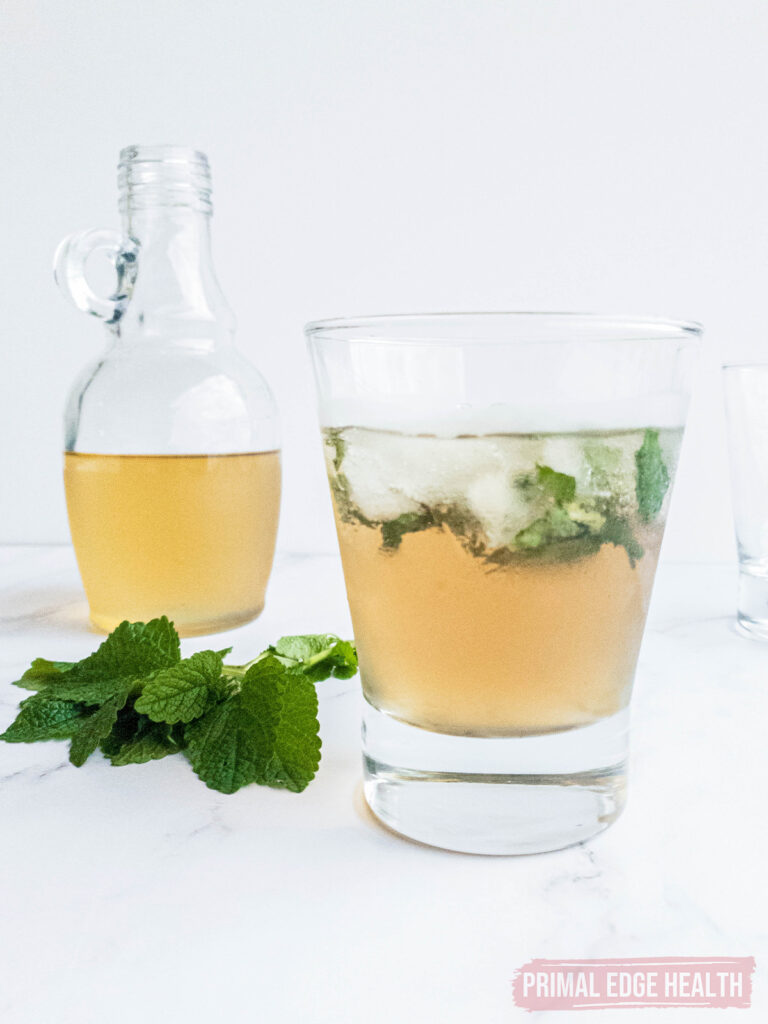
(374, 483)
(390, 474)
(565, 455)
(502, 507)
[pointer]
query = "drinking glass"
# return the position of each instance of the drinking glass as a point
(746, 400)
(500, 484)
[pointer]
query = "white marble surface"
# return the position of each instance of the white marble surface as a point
(136, 894)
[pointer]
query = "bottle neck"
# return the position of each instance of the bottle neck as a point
(165, 201)
(176, 295)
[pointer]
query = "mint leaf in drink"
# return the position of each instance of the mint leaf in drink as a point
(618, 531)
(554, 526)
(392, 532)
(42, 717)
(462, 523)
(558, 486)
(346, 508)
(336, 442)
(184, 691)
(96, 727)
(606, 469)
(652, 476)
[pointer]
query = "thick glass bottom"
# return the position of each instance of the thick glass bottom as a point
(516, 795)
(752, 613)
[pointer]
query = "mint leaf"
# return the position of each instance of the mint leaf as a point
(42, 717)
(346, 509)
(319, 656)
(460, 521)
(393, 531)
(282, 707)
(150, 746)
(267, 733)
(220, 747)
(135, 740)
(184, 691)
(335, 441)
(95, 728)
(41, 673)
(618, 531)
(605, 467)
(138, 701)
(339, 662)
(304, 648)
(131, 652)
(555, 525)
(652, 476)
(463, 524)
(558, 486)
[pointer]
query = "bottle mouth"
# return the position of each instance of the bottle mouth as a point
(150, 176)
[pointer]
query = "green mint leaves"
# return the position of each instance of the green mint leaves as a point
(137, 700)
(652, 477)
(44, 718)
(570, 528)
(131, 652)
(392, 532)
(184, 691)
(319, 656)
(615, 492)
(558, 486)
(266, 733)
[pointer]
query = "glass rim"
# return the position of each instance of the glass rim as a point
(727, 367)
(161, 152)
(631, 329)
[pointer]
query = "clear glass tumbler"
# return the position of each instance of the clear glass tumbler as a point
(746, 399)
(500, 483)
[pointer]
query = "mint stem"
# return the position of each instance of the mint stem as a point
(239, 671)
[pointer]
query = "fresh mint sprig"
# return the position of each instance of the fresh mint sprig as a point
(137, 700)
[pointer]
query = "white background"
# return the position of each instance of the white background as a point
(387, 156)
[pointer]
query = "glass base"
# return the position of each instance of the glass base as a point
(106, 623)
(752, 612)
(514, 795)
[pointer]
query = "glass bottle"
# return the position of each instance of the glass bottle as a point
(172, 462)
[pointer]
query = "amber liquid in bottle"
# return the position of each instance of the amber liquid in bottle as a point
(187, 536)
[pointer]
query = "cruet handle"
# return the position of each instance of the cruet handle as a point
(69, 269)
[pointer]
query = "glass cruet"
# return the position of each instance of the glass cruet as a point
(172, 461)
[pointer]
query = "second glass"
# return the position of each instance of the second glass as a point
(746, 400)
(500, 483)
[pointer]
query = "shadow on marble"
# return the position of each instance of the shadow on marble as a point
(45, 608)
